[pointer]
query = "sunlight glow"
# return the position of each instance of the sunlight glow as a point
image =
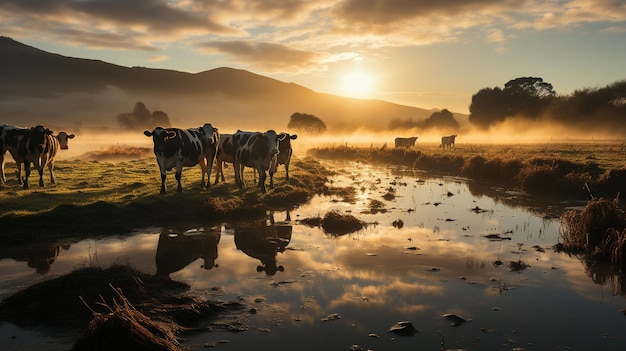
(357, 84)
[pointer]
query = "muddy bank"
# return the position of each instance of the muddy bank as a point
(118, 306)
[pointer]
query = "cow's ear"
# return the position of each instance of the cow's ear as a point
(293, 137)
(282, 136)
(71, 136)
(147, 133)
(48, 132)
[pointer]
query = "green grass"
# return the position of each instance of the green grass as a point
(91, 198)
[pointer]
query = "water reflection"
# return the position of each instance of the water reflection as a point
(39, 256)
(263, 241)
(177, 249)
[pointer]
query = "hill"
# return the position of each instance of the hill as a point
(39, 87)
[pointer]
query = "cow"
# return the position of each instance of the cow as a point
(178, 148)
(225, 154)
(283, 157)
(39, 147)
(10, 138)
(447, 141)
(405, 142)
(256, 150)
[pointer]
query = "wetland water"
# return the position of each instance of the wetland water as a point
(427, 253)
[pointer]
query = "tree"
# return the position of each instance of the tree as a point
(141, 118)
(306, 123)
(525, 96)
(441, 119)
(488, 107)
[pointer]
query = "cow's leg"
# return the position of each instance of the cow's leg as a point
(262, 177)
(218, 170)
(178, 175)
(26, 174)
(271, 178)
(287, 170)
(51, 169)
(163, 185)
(203, 166)
(3, 178)
(40, 171)
(19, 171)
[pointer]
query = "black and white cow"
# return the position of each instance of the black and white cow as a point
(447, 141)
(256, 150)
(174, 147)
(405, 142)
(40, 147)
(10, 138)
(283, 157)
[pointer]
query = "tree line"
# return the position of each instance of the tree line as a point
(532, 99)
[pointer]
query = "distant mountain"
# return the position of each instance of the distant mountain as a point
(42, 87)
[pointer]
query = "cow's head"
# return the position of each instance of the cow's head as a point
(284, 141)
(37, 136)
(210, 135)
(159, 136)
(63, 139)
(272, 141)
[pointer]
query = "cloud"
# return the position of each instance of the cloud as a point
(267, 56)
(158, 58)
(140, 20)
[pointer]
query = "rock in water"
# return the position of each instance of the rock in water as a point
(455, 319)
(404, 328)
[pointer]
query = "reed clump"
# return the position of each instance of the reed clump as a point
(598, 230)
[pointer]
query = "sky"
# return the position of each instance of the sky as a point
(422, 53)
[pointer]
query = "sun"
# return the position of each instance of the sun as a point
(357, 84)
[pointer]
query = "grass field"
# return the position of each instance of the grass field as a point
(92, 197)
(98, 197)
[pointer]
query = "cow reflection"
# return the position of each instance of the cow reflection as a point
(39, 256)
(42, 256)
(264, 241)
(177, 250)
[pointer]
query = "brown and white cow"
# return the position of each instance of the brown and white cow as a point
(256, 150)
(283, 157)
(225, 154)
(10, 140)
(447, 141)
(40, 147)
(178, 148)
(405, 142)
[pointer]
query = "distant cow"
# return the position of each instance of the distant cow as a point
(447, 141)
(40, 147)
(10, 138)
(405, 142)
(283, 157)
(256, 150)
(174, 147)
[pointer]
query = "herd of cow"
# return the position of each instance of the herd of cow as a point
(173, 148)
(446, 141)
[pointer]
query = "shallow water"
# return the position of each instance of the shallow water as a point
(316, 291)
